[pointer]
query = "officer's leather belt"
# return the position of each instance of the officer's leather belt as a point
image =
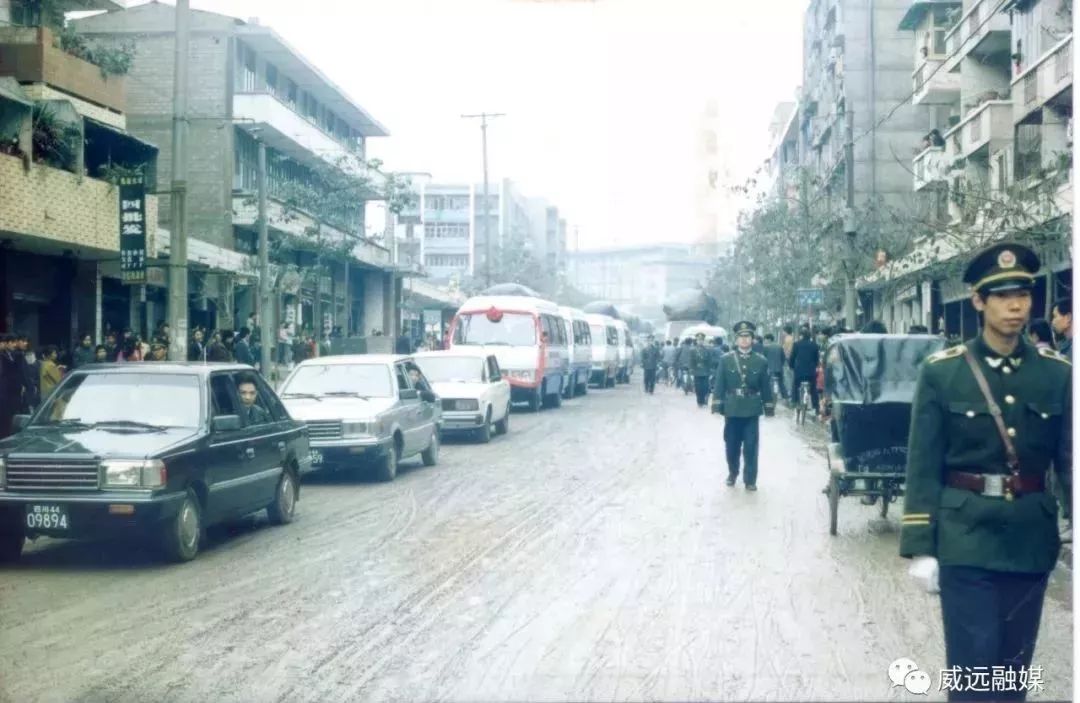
(995, 485)
(743, 392)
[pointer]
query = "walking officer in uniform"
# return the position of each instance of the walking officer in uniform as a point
(989, 420)
(700, 368)
(650, 359)
(742, 391)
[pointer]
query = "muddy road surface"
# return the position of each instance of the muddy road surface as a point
(593, 554)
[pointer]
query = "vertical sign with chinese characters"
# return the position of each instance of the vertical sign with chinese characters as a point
(132, 229)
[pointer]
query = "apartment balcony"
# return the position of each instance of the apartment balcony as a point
(245, 212)
(27, 54)
(982, 31)
(282, 128)
(1050, 76)
(933, 85)
(989, 128)
(54, 210)
(930, 167)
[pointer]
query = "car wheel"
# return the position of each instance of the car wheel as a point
(484, 433)
(282, 510)
(183, 533)
(11, 543)
(431, 454)
(386, 468)
(534, 401)
(503, 425)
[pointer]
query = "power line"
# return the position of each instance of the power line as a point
(933, 73)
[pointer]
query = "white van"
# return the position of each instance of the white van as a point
(625, 353)
(579, 346)
(604, 345)
(527, 337)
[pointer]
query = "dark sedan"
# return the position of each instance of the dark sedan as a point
(158, 450)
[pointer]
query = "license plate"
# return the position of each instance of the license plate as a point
(316, 457)
(47, 517)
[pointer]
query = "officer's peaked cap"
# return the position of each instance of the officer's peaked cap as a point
(1002, 267)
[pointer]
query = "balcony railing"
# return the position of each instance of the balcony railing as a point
(988, 125)
(933, 85)
(930, 166)
(27, 54)
(1045, 79)
(983, 19)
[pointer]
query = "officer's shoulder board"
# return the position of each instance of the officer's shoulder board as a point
(1052, 354)
(950, 353)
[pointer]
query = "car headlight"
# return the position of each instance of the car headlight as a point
(465, 404)
(123, 473)
(356, 428)
(520, 375)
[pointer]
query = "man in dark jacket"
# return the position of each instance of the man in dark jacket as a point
(10, 384)
(29, 374)
(242, 348)
(197, 349)
(650, 359)
(404, 345)
(682, 363)
(804, 363)
(700, 371)
(774, 354)
(219, 350)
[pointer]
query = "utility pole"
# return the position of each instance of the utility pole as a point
(849, 220)
(266, 330)
(178, 264)
(487, 225)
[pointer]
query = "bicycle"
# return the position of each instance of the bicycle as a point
(803, 407)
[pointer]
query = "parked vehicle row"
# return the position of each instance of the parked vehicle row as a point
(162, 451)
(546, 352)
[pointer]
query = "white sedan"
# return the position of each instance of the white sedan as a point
(475, 396)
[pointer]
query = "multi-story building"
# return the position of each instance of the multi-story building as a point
(452, 221)
(997, 77)
(248, 85)
(63, 146)
(639, 276)
(783, 161)
(853, 66)
(715, 204)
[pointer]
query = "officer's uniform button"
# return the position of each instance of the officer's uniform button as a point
(1045, 416)
(1010, 400)
(1011, 431)
(1007, 369)
(970, 413)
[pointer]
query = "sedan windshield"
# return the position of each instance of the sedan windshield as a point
(150, 399)
(512, 329)
(440, 369)
(367, 380)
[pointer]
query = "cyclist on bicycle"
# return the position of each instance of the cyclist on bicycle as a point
(667, 361)
(804, 362)
(774, 354)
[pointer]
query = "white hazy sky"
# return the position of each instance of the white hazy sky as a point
(602, 98)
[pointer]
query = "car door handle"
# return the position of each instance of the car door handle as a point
(249, 452)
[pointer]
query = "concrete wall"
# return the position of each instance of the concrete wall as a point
(979, 77)
(149, 106)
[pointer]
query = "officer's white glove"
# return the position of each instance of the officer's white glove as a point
(925, 571)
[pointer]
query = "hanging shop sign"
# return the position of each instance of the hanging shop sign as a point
(132, 230)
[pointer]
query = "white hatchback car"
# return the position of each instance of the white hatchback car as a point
(475, 396)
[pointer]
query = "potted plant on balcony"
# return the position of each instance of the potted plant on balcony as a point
(54, 141)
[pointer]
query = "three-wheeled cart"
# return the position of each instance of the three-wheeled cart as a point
(870, 380)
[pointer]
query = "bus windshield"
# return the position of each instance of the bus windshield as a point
(514, 329)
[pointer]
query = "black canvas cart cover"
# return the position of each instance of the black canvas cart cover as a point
(602, 307)
(866, 369)
(511, 289)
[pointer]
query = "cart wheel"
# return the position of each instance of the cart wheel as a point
(834, 501)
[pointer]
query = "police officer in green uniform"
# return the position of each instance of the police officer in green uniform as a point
(700, 368)
(989, 419)
(742, 391)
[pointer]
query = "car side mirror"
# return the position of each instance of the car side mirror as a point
(20, 422)
(409, 394)
(225, 423)
(428, 397)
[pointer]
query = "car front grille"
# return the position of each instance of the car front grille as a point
(52, 474)
(324, 429)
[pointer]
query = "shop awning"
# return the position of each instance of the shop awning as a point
(11, 91)
(211, 256)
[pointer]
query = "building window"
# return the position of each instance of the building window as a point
(446, 260)
(271, 78)
(245, 60)
(1028, 157)
(444, 230)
